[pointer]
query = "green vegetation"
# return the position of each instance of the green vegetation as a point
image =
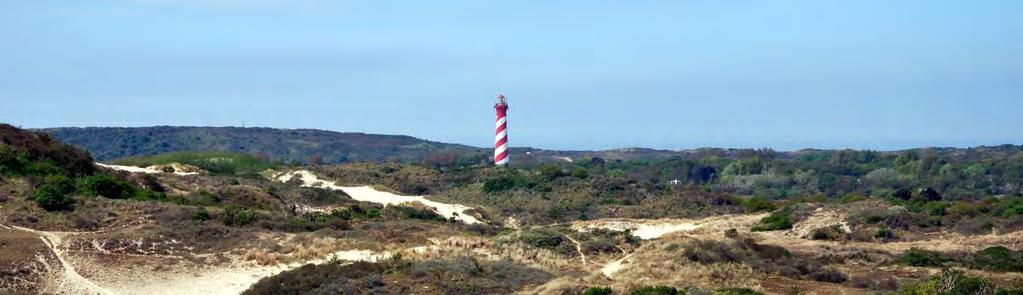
(598, 291)
(954, 282)
(919, 257)
(55, 193)
(459, 275)
(996, 258)
(657, 290)
(214, 162)
(778, 220)
(736, 291)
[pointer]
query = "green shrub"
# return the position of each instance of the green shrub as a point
(413, 212)
(829, 233)
(657, 290)
(920, 257)
(950, 282)
(758, 204)
(55, 193)
(598, 291)
(107, 186)
(779, 220)
(997, 258)
(542, 238)
(736, 291)
(237, 216)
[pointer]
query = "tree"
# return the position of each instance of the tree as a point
(109, 187)
(55, 193)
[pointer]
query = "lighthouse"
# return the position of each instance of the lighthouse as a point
(501, 138)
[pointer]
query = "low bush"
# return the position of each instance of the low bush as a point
(951, 282)
(920, 257)
(764, 258)
(237, 216)
(102, 185)
(657, 290)
(412, 212)
(55, 193)
(758, 204)
(598, 291)
(778, 220)
(878, 281)
(998, 258)
(736, 291)
(829, 233)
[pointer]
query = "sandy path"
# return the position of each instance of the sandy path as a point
(578, 248)
(643, 229)
(369, 194)
(70, 281)
(134, 169)
(227, 280)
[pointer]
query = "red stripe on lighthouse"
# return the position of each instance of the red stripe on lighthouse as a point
(501, 133)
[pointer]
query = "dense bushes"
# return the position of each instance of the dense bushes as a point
(998, 258)
(657, 290)
(995, 258)
(55, 193)
(765, 258)
(237, 216)
(106, 186)
(920, 257)
(459, 275)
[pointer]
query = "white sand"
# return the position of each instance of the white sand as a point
(369, 194)
(147, 170)
(614, 266)
(643, 229)
(227, 280)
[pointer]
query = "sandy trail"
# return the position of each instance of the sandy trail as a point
(227, 280)
(369, 194)
(643, 229)
(147, 170)
(70, 281)
(578, 248)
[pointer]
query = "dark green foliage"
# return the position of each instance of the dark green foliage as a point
(758, 204)
(412, 212)
(998, 258)
(459, 275)
(736, 291)
(657, 290)
(951, 282)
(55, 193)
(25, 152)
(543, 238)
(107, 186)
(778, 220)
(598, 291)
(237, 216)
(829, 233)
(920, 257)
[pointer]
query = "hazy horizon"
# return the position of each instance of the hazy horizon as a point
(578, 75)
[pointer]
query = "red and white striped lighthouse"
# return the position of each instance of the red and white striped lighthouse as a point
(501, 139)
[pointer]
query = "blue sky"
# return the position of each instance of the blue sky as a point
(578, 74)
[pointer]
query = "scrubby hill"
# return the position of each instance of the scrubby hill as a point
(289, 145)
